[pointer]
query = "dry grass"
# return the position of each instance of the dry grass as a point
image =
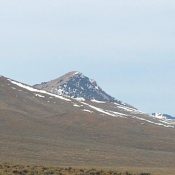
(7, 169)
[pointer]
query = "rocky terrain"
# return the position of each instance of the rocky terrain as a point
(163, 116)
(76, 85)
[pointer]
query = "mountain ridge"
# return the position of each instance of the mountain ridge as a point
(76, 85)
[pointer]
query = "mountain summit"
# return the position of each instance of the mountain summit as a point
(76, 85)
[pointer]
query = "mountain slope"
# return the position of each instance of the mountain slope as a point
(75, 85)
(163, 116)
(39, 127)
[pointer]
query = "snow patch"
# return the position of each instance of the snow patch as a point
(75, 105)
(76, 73)
(118, 113)
(36, 90)
(155, 123)
(79, 99)
(129, 109)
(60, 91)
(96, 101)
(159, 116)
(99, 109)
(86, 110)
(38, 95)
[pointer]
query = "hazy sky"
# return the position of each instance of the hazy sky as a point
(128, 46)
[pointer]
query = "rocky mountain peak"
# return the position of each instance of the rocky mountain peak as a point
(76, 85)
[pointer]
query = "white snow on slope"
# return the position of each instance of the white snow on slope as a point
(38, 95)
(86, 110)
(99, 109)
(155, 123)
(159, 116)
(75, 105)
(136, 111)
(126, 108)
(118, 114)
(76, 73)
(79, 99)
(96, 101)
(36, 90)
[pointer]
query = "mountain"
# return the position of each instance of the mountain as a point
(39, 127)
(163, 116)
(75, 85)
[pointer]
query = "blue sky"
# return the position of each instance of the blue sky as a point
(127, 46)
